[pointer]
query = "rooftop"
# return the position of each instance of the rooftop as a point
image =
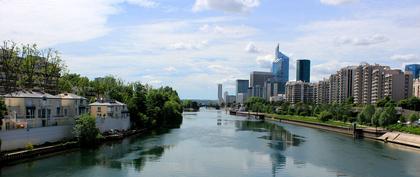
(107, 103)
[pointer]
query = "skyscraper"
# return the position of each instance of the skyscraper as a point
(257, 81)
(280, 69)
(242, 86)
(220, 93)
(414, 69)
(242, 90)
(303, 70)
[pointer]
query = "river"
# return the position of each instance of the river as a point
(212, 143)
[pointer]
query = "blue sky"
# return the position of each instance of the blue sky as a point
(192, 45)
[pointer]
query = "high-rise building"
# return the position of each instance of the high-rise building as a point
(416, 88)
(220, 93)
(242, 90)
(397, 85)
(303, 70)
(322, 92)
(257, 82)
(299, 91)
(242, 86)
(414, 69)
(280, 69)
(366, 83)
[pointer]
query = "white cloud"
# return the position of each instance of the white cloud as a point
(51, 22)
(265, 61)
(337, 2)
(406, 58)
(47, 22)
(252, 48)
(230, 31)
(144, 3)
(226, 5)
(365, 41)
(170, 69)
(188, 45)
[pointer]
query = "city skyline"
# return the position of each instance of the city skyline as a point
(183, 43)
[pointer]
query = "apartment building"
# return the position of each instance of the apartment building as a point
(416, 88)
(299, 91)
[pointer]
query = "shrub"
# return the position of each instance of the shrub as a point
(413, 117)
(29, 147)
(86, 132)
(325, 116)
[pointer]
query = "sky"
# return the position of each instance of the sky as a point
(192, 45)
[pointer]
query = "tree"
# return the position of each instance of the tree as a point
(413, 118)
(388, 116)
(137, 105)
(366, 115)
(412, 103)
(172, 114)
(383, 102)
(375, 118)
(86, 132)
(350, 100)
(325, 116)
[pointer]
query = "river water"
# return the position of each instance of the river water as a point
(212, 143)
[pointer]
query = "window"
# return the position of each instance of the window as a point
(98, 109)
(65, 112)
(58, 111)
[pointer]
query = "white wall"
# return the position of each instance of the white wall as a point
(19, 138)
(105, 124)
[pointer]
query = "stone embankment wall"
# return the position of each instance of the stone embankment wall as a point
(401, 138)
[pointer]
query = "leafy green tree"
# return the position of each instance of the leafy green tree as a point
(376, 117)
(172, 113)
(316, 110)
(86, 132)
(383, 102)
(366, 115)
(325, 116)
(388, 116)
(349, 100)
(412, 103)
(413, 117)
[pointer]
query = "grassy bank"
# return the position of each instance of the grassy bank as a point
(404, 128)
(310, 119)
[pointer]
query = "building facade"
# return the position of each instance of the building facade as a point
(366, 83)
(414, 69)
(220, 93)
(299, 91)
(33, 109)
(303, 70)
(257, 82)
(241, 90)
(416, 88)
(280, 69)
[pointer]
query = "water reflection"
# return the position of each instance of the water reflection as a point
(278, 139)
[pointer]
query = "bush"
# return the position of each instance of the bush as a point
(413, 117)
(325, 116)
(86, 132)
(29, 147)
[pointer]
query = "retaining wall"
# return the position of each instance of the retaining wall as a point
(19, 138)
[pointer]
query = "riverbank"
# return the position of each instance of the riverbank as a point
(13, 157)
(378, 134)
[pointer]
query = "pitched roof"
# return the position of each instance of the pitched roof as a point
(30, 94)
(107, 103)
(70, 96)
